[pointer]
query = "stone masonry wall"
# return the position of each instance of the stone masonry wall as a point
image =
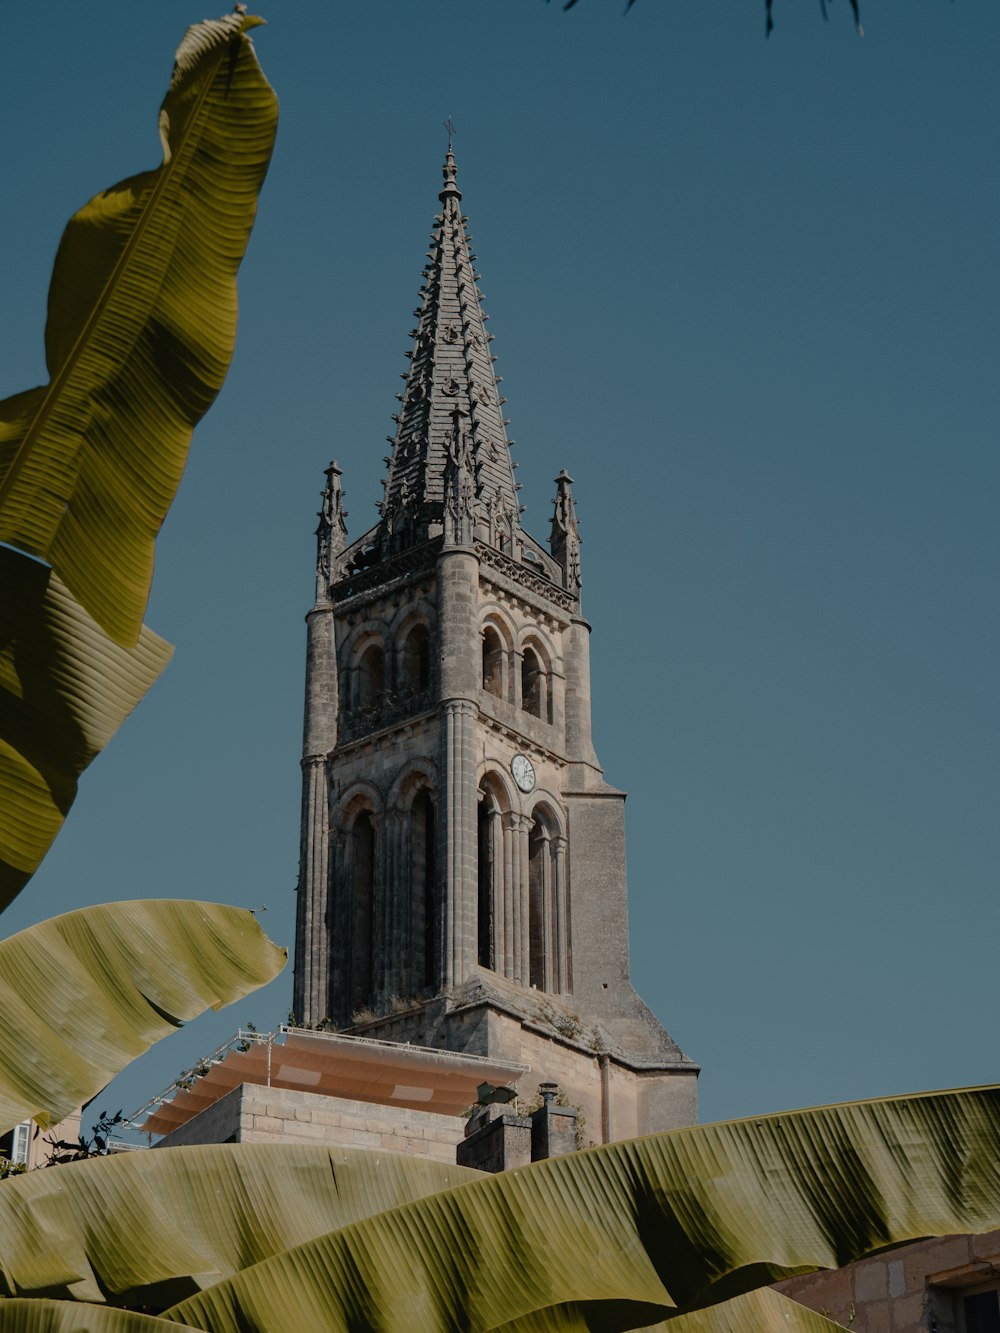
(917, 1288)
(251, 1114)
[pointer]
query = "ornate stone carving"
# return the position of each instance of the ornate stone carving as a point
(459, 487)
(388, 711)
(384, 574)
(525, 578)
(564, 539)
(331, 534)
(502, 519)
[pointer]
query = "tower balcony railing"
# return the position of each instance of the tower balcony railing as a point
(389, 709)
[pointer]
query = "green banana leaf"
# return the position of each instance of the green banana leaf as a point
(148, 1228)
(65, 688)
(140, 333)
(677, 1221)
(758, 1311)
(21, 1316)
(84, 994)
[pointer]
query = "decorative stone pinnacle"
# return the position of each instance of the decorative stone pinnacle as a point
(564, 539)
(331, 535)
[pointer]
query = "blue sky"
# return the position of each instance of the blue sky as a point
(747, 293)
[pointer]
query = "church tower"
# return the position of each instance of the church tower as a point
(462, 879)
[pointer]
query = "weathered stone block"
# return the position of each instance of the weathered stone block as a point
(500, 1145)
(871, 1281)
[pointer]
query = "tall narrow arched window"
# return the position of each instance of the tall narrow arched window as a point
(423, 913)
(490, 849)
(492, 662)
(370, 676)
(540, 907)
(362, 868)
(532, 683)
(415, 664)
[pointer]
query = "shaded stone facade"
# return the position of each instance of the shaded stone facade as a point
(462, 877)
(948, 1284)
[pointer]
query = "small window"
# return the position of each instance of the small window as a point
(20, 1142)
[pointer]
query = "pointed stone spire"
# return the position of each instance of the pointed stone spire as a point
(451, 368)
(564, 539)
(331, 535)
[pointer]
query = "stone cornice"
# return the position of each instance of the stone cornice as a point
(536, 590)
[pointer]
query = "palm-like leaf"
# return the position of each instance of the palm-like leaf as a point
(675, 1222)
(149, 1228)
(84, 994)
(141, 326)
(48, 1316)
(65, 688)
(758, 1311)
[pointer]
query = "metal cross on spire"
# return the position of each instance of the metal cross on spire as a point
(449, 125)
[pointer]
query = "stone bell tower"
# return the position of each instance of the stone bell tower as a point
(462, 879)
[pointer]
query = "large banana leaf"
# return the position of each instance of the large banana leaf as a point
(758, 1311)
(674, 1222)
(65, 688)
(85, 993)
(140, 333)
(149, 1228)
(21, 1316)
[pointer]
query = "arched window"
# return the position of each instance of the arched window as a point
(532, 683)
(492, 662)
(490, 846)
(536, 682)
(362, 872)
(415, 663)
(549, 949)
(539, 906)
(423, 915)
(370, 676)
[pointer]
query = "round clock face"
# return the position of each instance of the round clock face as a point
(524, 774)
